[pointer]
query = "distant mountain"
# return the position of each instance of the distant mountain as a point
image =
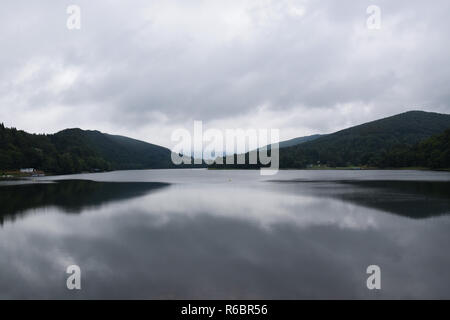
(364, 145)
(76, 150)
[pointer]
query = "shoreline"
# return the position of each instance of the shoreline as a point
(14, 175)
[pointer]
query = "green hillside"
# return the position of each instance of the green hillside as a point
(433, 153)
(120, 152)
(76, 150)
(366, 144)
(369, 144)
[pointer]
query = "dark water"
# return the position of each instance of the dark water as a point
(227, 234)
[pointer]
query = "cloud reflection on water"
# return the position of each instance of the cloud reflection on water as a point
(254, 240)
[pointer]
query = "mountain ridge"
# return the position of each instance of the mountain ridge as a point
(376, 143)
(75, 150)
(363, 145)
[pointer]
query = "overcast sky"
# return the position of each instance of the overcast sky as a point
(144, 68)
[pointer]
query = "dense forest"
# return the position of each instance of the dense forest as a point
(432, 153)
(388, 142)
(366, 144)
(76, 150)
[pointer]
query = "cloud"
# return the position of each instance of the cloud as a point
(144, 68)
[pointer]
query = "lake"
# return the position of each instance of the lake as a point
(227, 234)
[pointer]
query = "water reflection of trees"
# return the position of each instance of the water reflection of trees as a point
(414, 199)
(71, 196)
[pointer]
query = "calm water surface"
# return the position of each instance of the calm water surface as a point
(200, 234)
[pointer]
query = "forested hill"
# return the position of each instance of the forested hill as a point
(121, 152)
(366, 144)
(76, 150)
(388, 142)
(432, 153)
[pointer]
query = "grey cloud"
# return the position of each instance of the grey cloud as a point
(219, 59)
